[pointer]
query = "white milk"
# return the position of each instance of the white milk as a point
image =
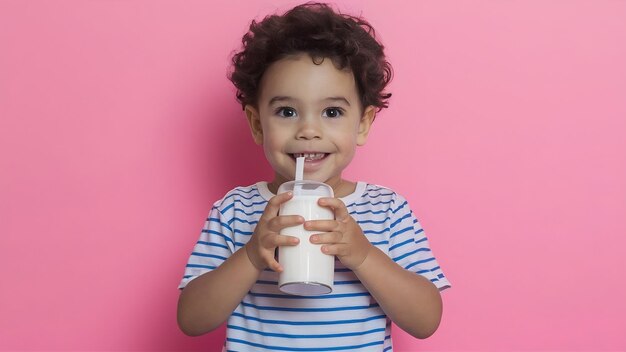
(306, 270)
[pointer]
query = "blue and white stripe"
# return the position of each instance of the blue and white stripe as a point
(348, 319)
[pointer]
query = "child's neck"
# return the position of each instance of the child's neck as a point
(342, 188)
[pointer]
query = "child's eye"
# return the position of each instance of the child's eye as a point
(286, 111)
(333, 112)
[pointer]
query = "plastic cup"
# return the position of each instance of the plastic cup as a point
(306, 270)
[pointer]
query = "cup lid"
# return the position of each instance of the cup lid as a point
(307, 188)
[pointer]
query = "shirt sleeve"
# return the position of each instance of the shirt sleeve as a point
(214, 246)
(408, 245)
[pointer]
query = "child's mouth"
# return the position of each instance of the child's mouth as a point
(309, 156)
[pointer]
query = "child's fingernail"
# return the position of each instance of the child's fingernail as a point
(295, 240)
(314, 238)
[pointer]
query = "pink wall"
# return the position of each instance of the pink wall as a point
(506, 131)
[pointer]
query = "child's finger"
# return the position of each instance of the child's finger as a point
(273, 205)
(274, 265)
(272, 262)
(338, 249)
(327, 238)
(338, 207)
(282, 240)
(280, 222)
(321, 225)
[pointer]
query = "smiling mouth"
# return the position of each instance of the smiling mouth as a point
(309, 156)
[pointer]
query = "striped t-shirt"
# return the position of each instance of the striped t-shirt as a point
(348, 319)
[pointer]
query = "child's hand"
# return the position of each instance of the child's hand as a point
(343, 237)
(266, 237)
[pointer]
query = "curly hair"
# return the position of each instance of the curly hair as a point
(315, 29)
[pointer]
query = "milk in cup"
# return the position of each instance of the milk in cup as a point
(306, 270)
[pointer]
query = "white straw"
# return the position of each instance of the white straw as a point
(299, 174)
(299, 168)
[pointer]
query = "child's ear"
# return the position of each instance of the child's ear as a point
(254, 122)
(364, 126)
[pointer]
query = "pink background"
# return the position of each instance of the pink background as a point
(506, 132)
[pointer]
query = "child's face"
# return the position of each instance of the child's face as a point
(311, 110)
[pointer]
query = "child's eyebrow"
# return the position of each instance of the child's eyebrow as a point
(340, 99)
(280, 98)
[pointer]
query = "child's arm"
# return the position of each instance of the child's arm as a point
(409, 299)
(207, 301)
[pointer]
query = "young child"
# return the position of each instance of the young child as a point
(311, 82)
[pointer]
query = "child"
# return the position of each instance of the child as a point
(310, 82)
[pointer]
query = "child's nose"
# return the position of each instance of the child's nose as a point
(309, 128)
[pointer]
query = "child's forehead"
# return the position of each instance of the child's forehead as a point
(306, 62)
(300, 75)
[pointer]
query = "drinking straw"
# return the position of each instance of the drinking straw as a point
(299, 174)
